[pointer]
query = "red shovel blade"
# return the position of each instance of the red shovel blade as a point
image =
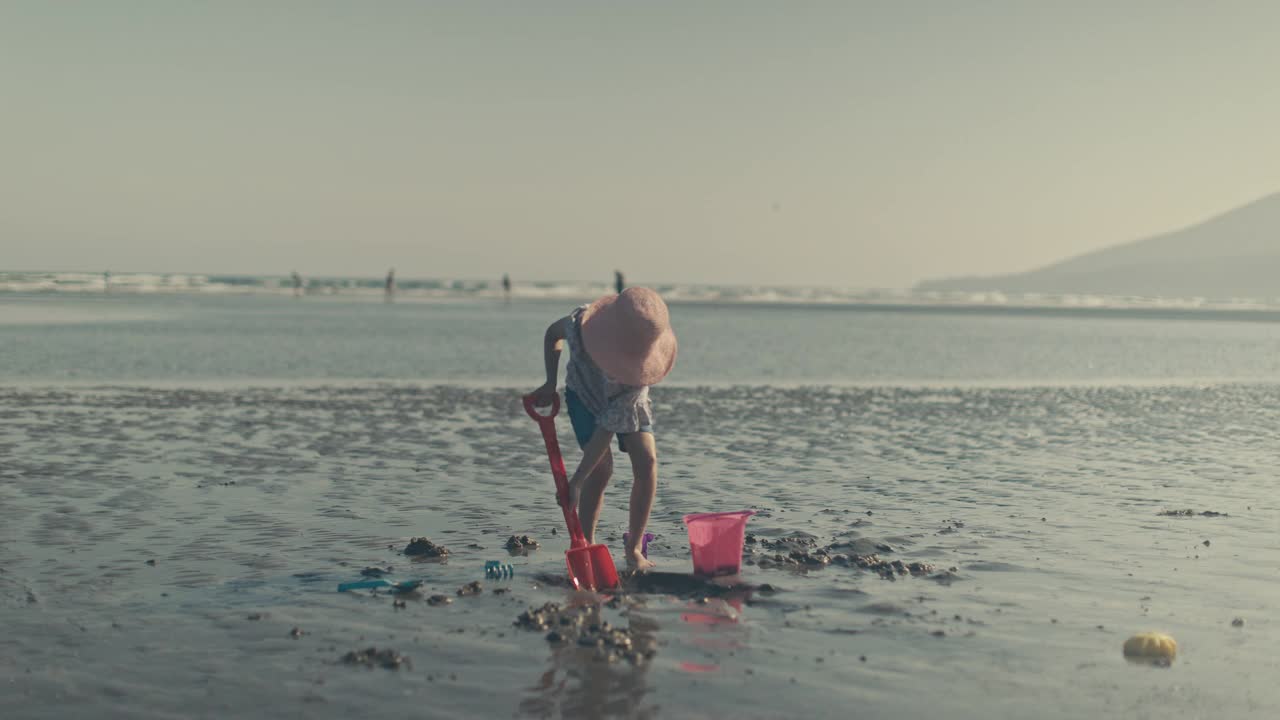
(591, 568)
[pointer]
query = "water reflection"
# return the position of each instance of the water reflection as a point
(602, 649)
(713, 624)
(599, 665)
(713, 627)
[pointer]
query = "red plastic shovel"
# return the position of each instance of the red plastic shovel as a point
(590, 566)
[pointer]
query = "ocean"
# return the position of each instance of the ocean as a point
(190, 473)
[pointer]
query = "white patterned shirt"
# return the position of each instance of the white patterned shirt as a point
(617, 408)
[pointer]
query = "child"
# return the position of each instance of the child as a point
(619, 345)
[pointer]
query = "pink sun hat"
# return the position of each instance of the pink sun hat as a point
(629, 336)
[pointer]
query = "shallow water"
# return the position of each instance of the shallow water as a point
(180, 339)
(255, 502)
(262, 450)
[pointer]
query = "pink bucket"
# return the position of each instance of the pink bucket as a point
(716, 541)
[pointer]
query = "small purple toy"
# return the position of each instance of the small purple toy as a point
(644, 542)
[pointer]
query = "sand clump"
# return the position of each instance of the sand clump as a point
(372, 657)
(580, 626)
(801, 552)
(887, 569)
(423, 547)
(792, 550)
(521, 544)
(550, 615)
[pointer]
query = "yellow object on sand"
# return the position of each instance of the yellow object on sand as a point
(1151, 646)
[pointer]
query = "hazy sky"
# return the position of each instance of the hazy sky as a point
(841, 143)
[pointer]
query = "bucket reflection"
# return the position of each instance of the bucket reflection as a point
(713, 625)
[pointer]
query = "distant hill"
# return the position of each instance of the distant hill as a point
(1233, 255)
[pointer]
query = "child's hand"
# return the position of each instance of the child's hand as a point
(544, 395)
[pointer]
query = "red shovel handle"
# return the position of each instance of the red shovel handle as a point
(547, 424)
(532, 409)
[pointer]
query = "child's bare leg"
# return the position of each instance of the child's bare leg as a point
(644, 465)
(591, 495)
(595, 452)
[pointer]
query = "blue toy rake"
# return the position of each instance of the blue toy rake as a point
(396, 587)
(498, 571)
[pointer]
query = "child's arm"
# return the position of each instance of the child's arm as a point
(552, 341)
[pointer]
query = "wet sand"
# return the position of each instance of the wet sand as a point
(176, 553)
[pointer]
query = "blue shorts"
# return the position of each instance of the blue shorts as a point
(584, 423)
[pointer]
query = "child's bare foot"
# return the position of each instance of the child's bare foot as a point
(638, 562)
